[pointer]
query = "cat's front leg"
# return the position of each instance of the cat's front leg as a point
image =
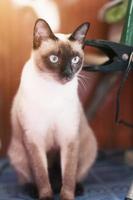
(38, 162)
(69, 160)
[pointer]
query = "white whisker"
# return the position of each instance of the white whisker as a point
(82, 84)
(84, 79)
(84, 76)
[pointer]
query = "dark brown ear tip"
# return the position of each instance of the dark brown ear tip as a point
(40, 20)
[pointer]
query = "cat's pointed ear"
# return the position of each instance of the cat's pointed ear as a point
(80, 33)
(42, 32)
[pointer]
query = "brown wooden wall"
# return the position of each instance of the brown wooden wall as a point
(16, 27)
(15, 44)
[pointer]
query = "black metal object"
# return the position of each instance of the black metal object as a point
(118, 54)
(120, 59)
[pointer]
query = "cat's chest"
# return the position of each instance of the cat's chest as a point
(52, 116)
(49, 110)
(48, 105)
(50, 99)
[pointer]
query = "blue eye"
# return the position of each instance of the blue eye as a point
(53, 58)
(75, 59)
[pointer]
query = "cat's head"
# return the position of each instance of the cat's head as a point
(58, 55)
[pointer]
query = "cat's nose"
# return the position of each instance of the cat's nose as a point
(68, 75)
(68, 78)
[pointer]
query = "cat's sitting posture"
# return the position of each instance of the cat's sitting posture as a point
(49, 128)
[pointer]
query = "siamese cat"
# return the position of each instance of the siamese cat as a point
(49, 128)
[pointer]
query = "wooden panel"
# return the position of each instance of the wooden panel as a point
(73, 14)
(15, 44)
(108, 133)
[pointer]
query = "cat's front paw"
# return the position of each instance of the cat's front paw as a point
(47, 198)
(66, 195)
(66, 198)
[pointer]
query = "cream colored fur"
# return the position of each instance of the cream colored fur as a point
(50, 115)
